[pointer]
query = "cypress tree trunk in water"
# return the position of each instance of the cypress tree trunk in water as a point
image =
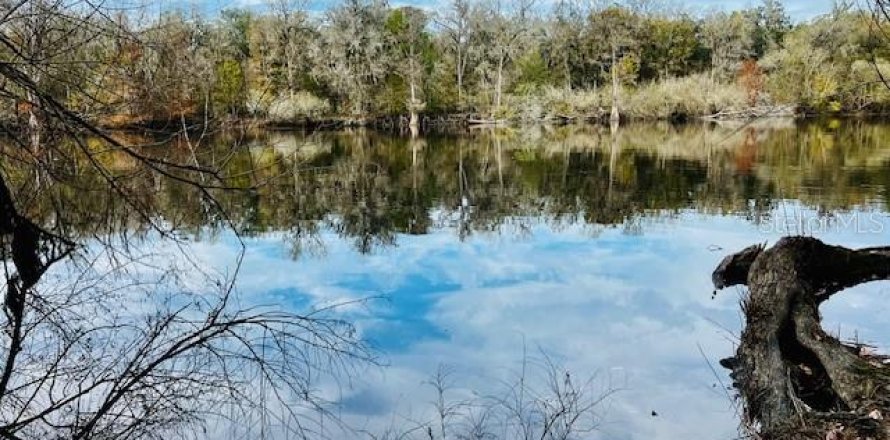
(615, 118)
(414, 120)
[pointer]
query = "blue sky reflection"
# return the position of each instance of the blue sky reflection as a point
(635, 308)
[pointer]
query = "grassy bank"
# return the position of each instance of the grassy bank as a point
(675, 99)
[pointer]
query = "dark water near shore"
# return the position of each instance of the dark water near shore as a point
(595, 248)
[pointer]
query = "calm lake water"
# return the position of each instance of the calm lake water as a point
(494, 246)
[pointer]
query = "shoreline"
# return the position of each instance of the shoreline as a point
(468, 121)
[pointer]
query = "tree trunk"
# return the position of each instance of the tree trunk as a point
(567, 71)
(615, 118)
(795, 380)
(460, 78)
(33, 124)
(497, 87)
(35, 50)
(414, 120)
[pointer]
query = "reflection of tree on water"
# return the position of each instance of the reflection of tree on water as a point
(418, 225)
(369, 187)
(558, 174)
(131, 337)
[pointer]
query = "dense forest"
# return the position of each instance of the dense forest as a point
(283, 62)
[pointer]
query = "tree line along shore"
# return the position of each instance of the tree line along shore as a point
(471, 61)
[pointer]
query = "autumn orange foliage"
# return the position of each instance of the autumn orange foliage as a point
(752, 80)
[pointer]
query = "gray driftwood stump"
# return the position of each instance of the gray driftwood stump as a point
(795, 380)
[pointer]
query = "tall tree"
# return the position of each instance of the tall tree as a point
(506, 29)
(412, 49)
(456, 23)
(232, 43)
(293, 36)
(730, 40)
(562, 43)
(614, 42)
(772, 24)
(351, 54)
(671, 47)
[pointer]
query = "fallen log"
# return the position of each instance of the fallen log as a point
(473, 121)
(795, 380)
(752, 113)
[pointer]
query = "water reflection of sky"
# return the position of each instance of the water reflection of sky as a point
(634, 307)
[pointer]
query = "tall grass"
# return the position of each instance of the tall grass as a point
(691, 96)
(555, 102)
(299, 105)
(695, 95)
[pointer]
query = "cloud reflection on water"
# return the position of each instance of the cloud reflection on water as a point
(634, 308)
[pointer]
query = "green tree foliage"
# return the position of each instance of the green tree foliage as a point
(563, 46)
(505, 31)
(672, 48)
(532, 72)
(412, 55)
(772, 23)
(614, 34)
(615, 44)
(228, 94)
(365, 58)
(822, 65)
(235, 27)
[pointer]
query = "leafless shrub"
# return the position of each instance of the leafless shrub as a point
(541, 401)
(100, 339)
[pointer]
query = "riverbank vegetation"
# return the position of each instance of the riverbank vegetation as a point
(360, 60)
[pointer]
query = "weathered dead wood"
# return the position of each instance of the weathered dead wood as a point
(795, 380)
